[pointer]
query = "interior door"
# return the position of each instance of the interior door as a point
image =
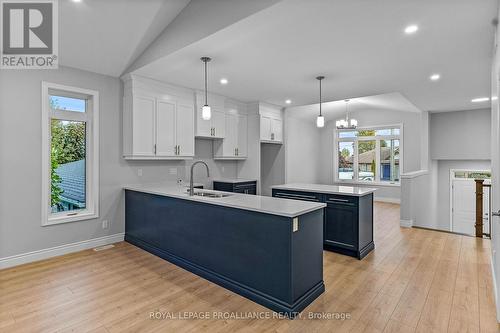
(143, 126)
(495, 173)
(463, 206)
(185, 129)
(165, 128)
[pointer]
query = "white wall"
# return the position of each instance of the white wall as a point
(20, 162)
(443, 186)
(461, 135)
(303, 148)
(310, 150)
(272, 166)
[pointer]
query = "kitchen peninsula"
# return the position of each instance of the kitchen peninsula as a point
(266, 249)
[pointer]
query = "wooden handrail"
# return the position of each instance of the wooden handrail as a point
(479, 207)
(480, 185)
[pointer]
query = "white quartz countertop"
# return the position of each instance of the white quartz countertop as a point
(328, 189)
(234, 180)
(257, 203)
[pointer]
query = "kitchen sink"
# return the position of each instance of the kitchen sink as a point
(210, 194)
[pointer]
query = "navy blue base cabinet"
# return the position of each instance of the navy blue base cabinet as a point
(256, 255)
(245, 187)
(348, 221)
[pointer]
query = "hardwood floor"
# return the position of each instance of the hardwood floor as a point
(415, 281)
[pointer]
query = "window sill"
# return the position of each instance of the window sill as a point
(368, 184)
(67, 219)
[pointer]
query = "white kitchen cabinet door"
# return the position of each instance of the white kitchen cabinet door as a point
(203, 127)
(265, 128)
(143, 126)
(242, 135)
(218, 124)
(276, 130)
(165, 128)
(185, 130)
(231, 139)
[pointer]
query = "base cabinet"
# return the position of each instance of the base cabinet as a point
(348, 221)
(243, 187)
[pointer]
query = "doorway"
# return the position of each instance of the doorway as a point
(463, 200)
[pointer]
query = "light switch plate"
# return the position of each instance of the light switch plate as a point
(295, 224)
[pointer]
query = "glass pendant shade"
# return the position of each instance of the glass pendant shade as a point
(320, 121)
(206, 112)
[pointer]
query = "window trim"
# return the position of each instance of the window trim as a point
(336, 141)
(92, 166)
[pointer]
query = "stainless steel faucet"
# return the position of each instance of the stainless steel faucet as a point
(191, 184)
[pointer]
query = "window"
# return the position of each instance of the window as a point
(70, 154)
(369, 155)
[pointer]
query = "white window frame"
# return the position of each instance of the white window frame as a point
(91, 117)
(377, 139)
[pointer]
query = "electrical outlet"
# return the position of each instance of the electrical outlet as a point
(105, 224)
(295, 223)
(173, 171)
(139, 172)
(222, 169)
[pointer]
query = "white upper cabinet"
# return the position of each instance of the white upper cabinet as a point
(271, 124)
(158, 120)
(215, 127)
(234, 145)
(165, 128)
(143, 121)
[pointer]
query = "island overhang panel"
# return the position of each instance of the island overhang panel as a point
(265, 257)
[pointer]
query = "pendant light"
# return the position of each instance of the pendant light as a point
(320, 121)
(206, 111)
(346, 123)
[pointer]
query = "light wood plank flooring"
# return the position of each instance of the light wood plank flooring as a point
(415, 281)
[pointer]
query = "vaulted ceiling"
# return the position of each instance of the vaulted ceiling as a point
(272, 50)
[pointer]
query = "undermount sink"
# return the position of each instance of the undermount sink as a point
(210, 194)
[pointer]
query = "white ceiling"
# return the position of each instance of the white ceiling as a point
(358, 45)
(105, 36)
(335, 109)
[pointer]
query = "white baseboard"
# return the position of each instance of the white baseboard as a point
(495, 290)
(388, 200)
(28, 257)
(406, 223)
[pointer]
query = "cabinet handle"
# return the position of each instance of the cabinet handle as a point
(155, 148)
(337, 200)
(272, 136)
(214, 130)
(178, 150)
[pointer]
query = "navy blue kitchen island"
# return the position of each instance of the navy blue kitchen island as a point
(266, 249)
(348, 219)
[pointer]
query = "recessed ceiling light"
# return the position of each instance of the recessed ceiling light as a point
(77, 0)
(224, 81)
(480, 99)
(435, 77)
(494, 98)
(411, 29)
(288, 101)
